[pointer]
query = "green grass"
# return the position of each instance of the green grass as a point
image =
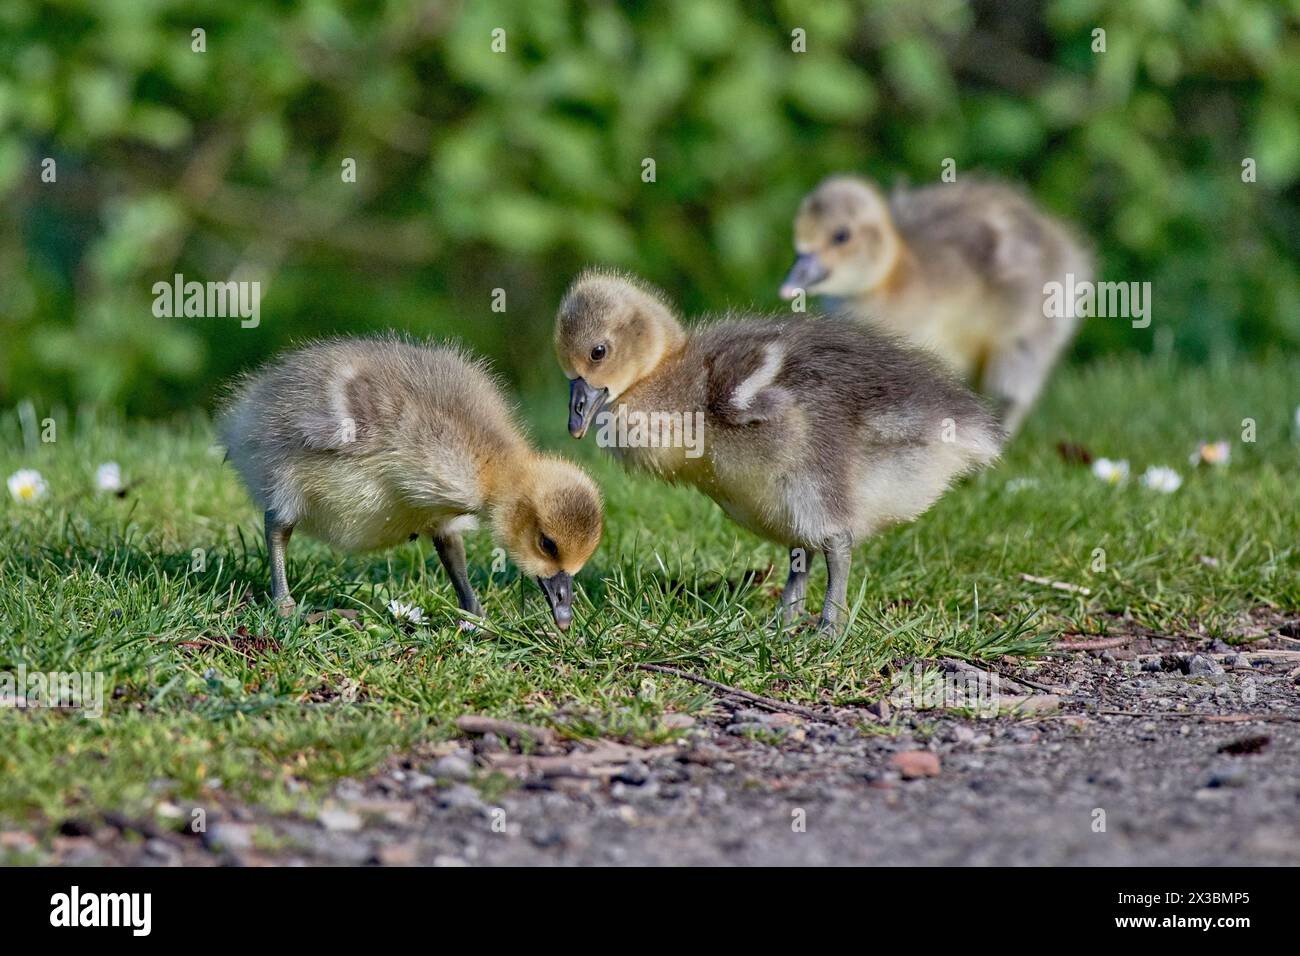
(98, 583)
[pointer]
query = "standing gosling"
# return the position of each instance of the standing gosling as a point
(959, 268)
(365, 443)
(815, 435)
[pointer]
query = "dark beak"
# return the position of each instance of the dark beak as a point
(584, 403)
(559, 595)
(806, 272)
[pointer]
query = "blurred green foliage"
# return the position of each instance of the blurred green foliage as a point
(479, 170)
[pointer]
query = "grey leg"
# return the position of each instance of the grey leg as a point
(839, 552)
(796, 587)
(451, 551)
(277, 540)
(1016, 375)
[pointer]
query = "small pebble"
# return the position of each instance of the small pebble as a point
(453, 767)
(1200, 665)
(228, 836)
(460, 797)
(1228, 777)
(339, 821)
(635, 773)
(416, 781)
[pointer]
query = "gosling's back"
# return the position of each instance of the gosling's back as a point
(364, 441)
(817, 429)
(990, 232)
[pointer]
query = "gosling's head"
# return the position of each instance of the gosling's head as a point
(611, 332)
(844, 240)
(549, 521)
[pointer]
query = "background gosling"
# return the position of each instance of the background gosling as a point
(958, 268)
(365, 443)
(815, 435)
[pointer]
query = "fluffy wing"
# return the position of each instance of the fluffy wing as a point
(742, 379)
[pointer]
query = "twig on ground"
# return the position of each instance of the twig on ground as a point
(1046, 688)
(768, 702)
(473, 724)
(1211, 718)
(605, 759)
(952, 664)
(1101, 644)
(1276, 656)
(1059, 585)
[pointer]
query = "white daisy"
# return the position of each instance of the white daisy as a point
(108, 477)
(26, 484)
(406, 612)
(1211, 453)
(1160, 478)
(1111, 472)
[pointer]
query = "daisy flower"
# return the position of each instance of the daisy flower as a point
(1111, 472)
(1211, 453)
(27, 485)
(108, 477)
(1160, 478)
(407, 613)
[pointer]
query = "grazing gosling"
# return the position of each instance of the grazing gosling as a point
(815, 435)
(958, 268)
(365, 443)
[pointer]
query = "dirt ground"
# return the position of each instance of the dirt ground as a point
(1177, 751)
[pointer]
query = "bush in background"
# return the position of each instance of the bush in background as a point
(479, 170)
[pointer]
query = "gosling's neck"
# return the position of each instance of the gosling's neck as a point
(669, 346)
(657, 385)
(678, 450)
(503, 479)
(897, 282)
(675, 342)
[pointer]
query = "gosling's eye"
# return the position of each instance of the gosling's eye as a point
(840, 237)
(598, 352)
(548, 547)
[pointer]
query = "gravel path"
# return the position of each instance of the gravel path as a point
(1201, 767)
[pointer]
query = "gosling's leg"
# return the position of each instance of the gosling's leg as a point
(839, 552)
(277, 541)
(1015, 375)
(451, 551)
(796, 587)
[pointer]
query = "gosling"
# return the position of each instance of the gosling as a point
(815, 435)
(366, 443)
(959, 268)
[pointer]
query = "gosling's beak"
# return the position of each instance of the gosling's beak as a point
(806, 272)
(559, 595)
(584, 403)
